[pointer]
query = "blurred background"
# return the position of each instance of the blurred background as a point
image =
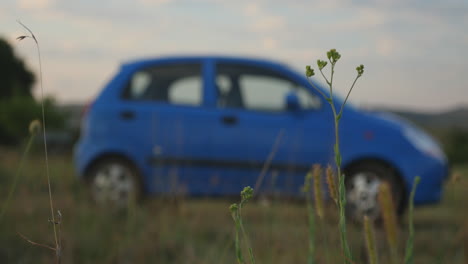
(415, 58)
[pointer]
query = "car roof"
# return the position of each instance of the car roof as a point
(175, 58)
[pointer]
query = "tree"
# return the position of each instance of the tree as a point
(457, 145)
(17, 105)
(15, 78)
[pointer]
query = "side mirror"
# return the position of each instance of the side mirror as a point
(292, 102)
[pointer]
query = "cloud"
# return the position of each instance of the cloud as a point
(268, 23)
(261, 19)
(269, 43)
(84, 41)
(252, 9)
(387, 46)
(34, 4)
(153, 3)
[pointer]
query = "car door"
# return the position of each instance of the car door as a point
(164, 112)
(256, 130)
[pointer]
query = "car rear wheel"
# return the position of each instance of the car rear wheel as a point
(114, 182)
(362, 185)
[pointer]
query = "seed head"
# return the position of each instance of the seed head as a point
(388, 214)
(321, 64)
(233, 208)
(307, 181)
(333, 56)
(34, 127)
(317, 173)
(417, 180)
(309, 71)
(360, 70)
(247, 194)
(331, 184)
(370, 240)
(20, 38)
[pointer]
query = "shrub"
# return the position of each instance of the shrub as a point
(456, 145)
(17, 112)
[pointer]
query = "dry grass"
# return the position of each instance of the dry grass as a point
(198, 230)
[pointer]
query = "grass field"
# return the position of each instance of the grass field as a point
(187, 230)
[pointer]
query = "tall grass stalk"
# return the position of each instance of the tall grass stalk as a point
(331, 184)
(33, 129)
(389, 220)
(370, 240)
(333, 57)
(306, 189)
(409, 254)
(51, 203)
(317, 174)
(267, 164)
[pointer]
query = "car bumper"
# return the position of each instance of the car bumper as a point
(433, 173)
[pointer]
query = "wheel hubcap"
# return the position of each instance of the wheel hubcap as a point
(113, 184)
(362, 191)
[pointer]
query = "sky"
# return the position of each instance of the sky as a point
(414, 51)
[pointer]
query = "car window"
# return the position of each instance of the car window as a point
(176, 84)
(265, 93)
(186, 91)
(255, 88)
(229, 95)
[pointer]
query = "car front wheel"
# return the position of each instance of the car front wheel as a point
(362, 184)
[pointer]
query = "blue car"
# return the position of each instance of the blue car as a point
(211, 125)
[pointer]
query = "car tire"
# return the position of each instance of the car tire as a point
(114, 182)
(362, 183)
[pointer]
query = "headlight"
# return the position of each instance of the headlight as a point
(423, 142)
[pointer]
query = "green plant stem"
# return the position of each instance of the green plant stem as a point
(54, 223)
(323, 75)
(341, 187)
(331, 79)
(409, 254)
(16, 177)
(235, 216)
(246, 238)
(349, 92)
(370, 241)
(318, 90)
(341, 191)
(310, 212)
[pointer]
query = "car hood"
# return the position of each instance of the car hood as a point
(389, 119)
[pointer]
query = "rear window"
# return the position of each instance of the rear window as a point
(174, 83)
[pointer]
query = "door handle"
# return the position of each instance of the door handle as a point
(127, 115)
(229, 120)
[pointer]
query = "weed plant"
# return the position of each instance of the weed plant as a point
(385, 194)
(236, 212)
(333, 57)
(312, 183)
(55, 222)
(409, 253)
